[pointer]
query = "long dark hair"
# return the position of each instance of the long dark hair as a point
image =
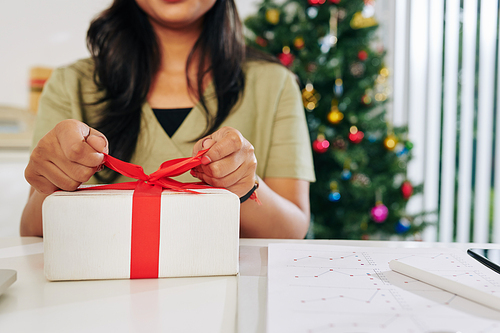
(126, 54)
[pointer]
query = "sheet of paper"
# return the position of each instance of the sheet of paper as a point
(328, 288)
(21, 250)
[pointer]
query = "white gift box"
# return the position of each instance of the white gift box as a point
(87, 234)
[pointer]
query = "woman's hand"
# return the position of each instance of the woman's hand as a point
(65, 157)
(230, 161)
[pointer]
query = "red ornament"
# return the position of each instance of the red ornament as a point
(320, 145)
(362, 55)
(261, 41)
(316, 2)
(366, 100)
(356, 137)
(286, 57)
(407, 189)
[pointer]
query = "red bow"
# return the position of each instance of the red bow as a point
(160, 177)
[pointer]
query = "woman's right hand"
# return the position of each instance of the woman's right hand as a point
(66, 157)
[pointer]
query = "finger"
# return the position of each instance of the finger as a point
(40, 183)
(233, 182)
(72, 135)
(77, 172)
(225, 166)
(48, 178)
(60, 179)
(226, 143)
(98, 141)
(207, 143)
(202, 144)
(67, 176)
(223, 182)
(49, 155)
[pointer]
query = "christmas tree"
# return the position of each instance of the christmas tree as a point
(360, 158)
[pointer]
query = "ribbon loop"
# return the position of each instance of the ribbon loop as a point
(127, 169)
(161, 176)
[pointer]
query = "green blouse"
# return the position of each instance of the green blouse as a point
(269, 114)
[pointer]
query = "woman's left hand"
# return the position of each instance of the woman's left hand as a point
(230, 161)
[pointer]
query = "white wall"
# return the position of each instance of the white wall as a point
(47, 33)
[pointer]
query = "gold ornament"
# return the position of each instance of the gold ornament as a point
(310, 97)
(299, 43)
(273, 16)
(390, 142)
(335, 116)
(358, 21)
(381, 79)
(380, 97)
(384, 72)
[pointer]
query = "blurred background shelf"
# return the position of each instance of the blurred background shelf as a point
(16, 128)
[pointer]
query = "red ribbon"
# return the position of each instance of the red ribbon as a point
(146, 206)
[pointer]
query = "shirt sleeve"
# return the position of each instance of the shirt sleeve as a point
(290, 154)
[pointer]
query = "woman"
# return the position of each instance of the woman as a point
(183, 60)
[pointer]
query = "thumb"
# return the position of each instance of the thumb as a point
(97, 141)
(202, 144)
(207, 143)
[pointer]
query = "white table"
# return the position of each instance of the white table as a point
(208, 304)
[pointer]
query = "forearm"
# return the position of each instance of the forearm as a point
(31, 219)
(277, 217)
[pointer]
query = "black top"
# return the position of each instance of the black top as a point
(171, 119)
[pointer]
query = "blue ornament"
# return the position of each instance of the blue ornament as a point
(346, 174)
(334, 196)
(401, 150)
(403, 226)
(338, 89)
